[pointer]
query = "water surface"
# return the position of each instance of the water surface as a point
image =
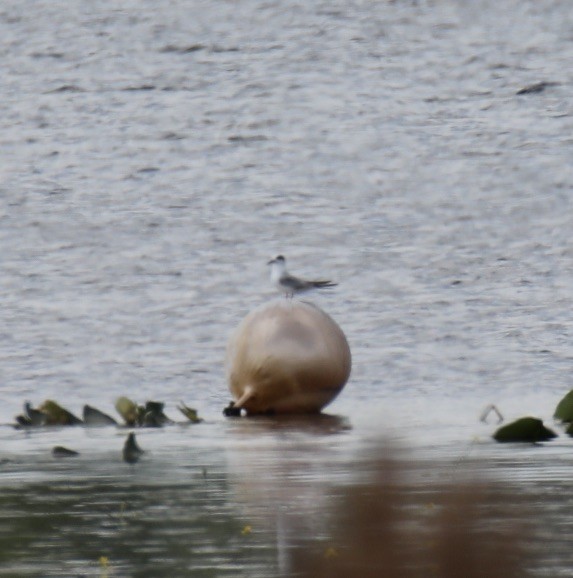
(156, 154)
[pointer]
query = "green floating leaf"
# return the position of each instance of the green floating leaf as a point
(94, 417)
(57, 415)
(128, 410)
(190, 413)
(31, 417)
(131, 451)
(564, 409)
(525, 429)
(150, 415)
(153, 416)
(62, 452)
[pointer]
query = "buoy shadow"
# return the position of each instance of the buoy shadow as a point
(317, 424)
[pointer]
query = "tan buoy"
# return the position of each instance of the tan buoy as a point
(287, 356)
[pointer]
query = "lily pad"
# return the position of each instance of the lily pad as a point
(62, 452)
(128, 410)
(94, 417)
(131, 451)
(31, 417)
(153, 415)
(525, 429)
(57, 415)
(190, 413)
(564, 409)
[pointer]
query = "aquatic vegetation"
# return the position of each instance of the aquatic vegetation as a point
(48, 414)
(131, 451)
(128, 410)
(525, 429)
(57, 415)
(536, 88)
(491, 408)
(62, 452)
(189, 412)
(149, 415)
(564, 409)
(31, 417)
(94, 417)
(104, 566)
(153, 415)
(331, 553)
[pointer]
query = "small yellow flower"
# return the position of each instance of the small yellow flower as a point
(330, 553)
(104, 561)
(246, 530)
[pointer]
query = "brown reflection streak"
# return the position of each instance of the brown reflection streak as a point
(389, 528)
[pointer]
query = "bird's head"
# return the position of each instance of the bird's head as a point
(279, 260)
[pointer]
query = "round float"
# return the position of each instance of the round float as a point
(287, 357)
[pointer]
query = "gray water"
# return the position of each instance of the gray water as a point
(154, 156)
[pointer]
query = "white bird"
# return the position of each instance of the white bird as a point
(288, 284)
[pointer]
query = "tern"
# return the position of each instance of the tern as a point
(288, 284)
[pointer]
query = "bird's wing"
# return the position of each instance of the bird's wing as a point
(294, 283)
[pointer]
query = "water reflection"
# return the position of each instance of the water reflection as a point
(281, 468)
(272, 497)
(200, 500)
(389, 525)
(146, 521)
(321, 424)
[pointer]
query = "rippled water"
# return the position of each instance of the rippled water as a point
(155, 154)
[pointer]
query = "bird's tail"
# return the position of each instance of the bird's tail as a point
(323, 284)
